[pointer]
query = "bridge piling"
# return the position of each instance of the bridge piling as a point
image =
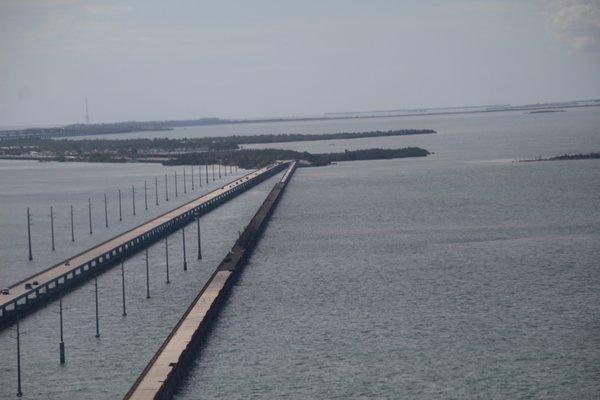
(145, 196)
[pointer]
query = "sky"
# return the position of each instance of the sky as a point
(154, 60)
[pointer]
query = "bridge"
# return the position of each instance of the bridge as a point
(165, 370)
(34, 291)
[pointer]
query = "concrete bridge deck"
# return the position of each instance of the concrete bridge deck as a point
(83, 266)
(164, 371)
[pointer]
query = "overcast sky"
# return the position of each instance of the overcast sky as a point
(150, 60)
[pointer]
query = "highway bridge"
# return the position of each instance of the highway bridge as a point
(159, 379)
(27, 295)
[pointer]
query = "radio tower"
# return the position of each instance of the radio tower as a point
(87, 112)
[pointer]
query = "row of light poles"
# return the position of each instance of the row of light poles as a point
(62, 357)
(120, 202)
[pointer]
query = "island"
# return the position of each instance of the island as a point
(566, 156)
(129, 149)
(257, 158)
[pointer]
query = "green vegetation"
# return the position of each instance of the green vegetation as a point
(211, 150)
(131, 148)
(297, 137)
(580, 156)
(261, 157)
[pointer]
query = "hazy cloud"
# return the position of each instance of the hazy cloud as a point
(481, 7)
(105, 9)
(575, 22)
(191, 58)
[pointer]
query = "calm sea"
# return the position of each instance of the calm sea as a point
(460, 275)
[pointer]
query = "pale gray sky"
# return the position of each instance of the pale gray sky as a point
(184, 59)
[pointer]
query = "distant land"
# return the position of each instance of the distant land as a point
(257, 158)
(544, 111)
(167, 125)
(214, 149)
(245, 158)
(579, 156)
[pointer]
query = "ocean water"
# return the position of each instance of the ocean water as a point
(387, 280)
(460, 275)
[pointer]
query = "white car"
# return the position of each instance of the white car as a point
(6, 291)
